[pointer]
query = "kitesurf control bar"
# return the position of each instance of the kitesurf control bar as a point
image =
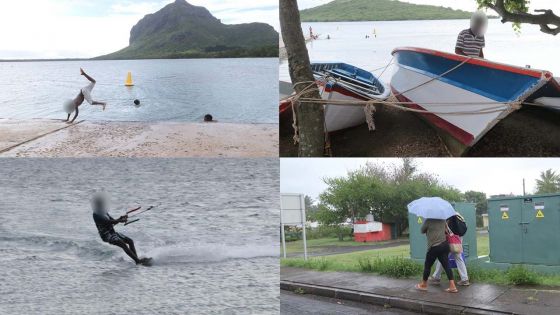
(129, 222)
(137, 213)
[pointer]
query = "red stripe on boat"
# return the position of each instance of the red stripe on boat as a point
(474, 61)
(457, 133)
(340, 90)
(285, 105)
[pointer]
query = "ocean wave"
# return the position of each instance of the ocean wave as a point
(210, 253)
(81, 248)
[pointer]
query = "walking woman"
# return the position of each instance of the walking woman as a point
(438, 248)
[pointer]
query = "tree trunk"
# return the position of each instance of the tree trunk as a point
(309, 115)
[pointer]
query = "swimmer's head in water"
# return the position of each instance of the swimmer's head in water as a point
(69, 106)
(136, 102)
(100, 203)
(208, 117)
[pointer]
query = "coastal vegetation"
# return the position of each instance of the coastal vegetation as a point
(378, 10)
(182, 30)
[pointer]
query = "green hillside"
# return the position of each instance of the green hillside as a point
(182, 30)
(378, 10)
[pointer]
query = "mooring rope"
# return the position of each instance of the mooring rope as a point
(393, 102)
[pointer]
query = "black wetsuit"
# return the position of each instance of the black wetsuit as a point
(108, 234)
(106, 230)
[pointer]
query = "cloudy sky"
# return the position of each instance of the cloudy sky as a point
(492, 176)
(86, 28)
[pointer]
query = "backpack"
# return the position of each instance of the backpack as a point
(457, 225)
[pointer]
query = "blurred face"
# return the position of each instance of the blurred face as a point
(100, 204)
(479, 26)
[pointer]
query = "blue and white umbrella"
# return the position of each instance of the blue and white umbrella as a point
(431, 208)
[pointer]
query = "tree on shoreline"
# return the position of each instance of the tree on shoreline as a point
(311, 121)
(516, 11)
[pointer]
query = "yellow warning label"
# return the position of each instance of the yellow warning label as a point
(540, 214)
(505, 215)
(419, 220)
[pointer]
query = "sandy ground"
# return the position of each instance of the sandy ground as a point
(45, 138)
(530, 132)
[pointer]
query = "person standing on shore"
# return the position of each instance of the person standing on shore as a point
(71, 106)
(471, 42)
(438, 248)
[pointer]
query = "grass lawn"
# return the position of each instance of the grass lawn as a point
(365, 261)
(316, 245)
(483, 245)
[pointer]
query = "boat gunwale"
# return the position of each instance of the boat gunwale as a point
(536, 73)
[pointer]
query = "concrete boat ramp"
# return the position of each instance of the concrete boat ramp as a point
(55, 138)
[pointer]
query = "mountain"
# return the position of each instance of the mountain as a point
(378, 10)
(182, 30)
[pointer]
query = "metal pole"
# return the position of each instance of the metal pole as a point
(283, 239)
(282, 229)
(523, 186)
(302, 200)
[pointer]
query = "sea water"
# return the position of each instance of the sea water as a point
(349, 44)
(231, 90)
(213, 237)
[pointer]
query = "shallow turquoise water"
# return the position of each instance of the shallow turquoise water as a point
(232, 90)
(348, 43)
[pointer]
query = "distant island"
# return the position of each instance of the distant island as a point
(182, 30)
(378, 10)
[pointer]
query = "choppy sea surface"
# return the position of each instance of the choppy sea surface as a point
(231, 90)
(213, 236)
(349, 44)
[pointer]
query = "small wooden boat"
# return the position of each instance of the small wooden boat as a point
(466, 96)
(340, 81)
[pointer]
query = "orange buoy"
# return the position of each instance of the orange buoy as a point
(128, 81)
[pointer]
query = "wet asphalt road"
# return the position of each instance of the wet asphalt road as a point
(297, 304)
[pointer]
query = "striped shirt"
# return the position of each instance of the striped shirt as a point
(470, 44)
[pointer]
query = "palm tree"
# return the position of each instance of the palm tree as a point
(549, 182)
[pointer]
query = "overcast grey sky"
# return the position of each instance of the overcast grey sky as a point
(492, 176)
(86, 28)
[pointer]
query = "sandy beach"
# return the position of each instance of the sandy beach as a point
(54, 138)
(530, 132)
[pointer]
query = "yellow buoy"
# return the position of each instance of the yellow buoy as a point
(128, 81)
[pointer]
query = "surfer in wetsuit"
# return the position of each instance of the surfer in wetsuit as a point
(105, 225)
(85, 94)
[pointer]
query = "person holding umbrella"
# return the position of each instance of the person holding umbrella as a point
(435, 211)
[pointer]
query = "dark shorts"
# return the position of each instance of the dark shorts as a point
(116, 238)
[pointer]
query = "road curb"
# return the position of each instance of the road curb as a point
(418, 306)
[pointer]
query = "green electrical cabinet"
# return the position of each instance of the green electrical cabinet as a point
(418, 245)
(524, 230)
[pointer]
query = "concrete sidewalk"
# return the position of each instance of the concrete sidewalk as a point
(400, 293)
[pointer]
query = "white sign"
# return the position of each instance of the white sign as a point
(293, 209)
(292, 212)
(368, 227)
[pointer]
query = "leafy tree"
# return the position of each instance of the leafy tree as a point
(516, 11)
(479, 198)
(382, 190)
(549, 182)
(311, 209)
